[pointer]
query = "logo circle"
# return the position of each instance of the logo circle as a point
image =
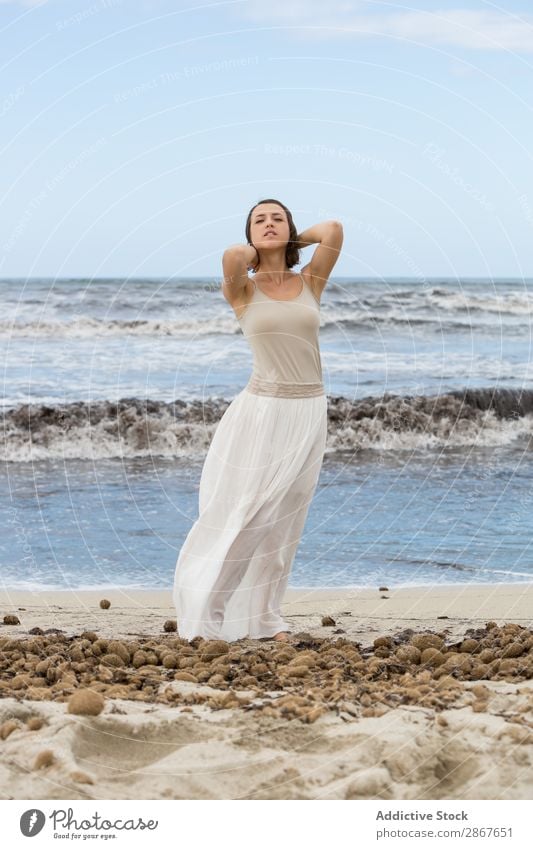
(32, 822)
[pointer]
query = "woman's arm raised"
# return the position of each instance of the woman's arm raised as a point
(330, 236)
(236, 261)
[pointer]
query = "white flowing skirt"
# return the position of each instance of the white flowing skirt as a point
(257, 483)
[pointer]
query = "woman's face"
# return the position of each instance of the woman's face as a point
(269, 227)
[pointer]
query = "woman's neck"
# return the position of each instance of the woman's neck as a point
(273, 268)
(276, 276)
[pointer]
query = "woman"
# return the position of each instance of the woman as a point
(264, 460)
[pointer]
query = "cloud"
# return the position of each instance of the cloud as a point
(468, 28)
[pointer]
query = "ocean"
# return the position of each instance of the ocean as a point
(112, 389)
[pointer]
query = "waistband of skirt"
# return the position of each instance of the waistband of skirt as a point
(259, 386)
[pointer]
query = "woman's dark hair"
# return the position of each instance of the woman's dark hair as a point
(292, 254)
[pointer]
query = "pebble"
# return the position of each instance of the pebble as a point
(316, 674)
(86, 702)
(327, 621)
(81, 777)
(7, 728)
(11, 619)
(44, 759)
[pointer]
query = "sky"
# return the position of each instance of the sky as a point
(137, 134)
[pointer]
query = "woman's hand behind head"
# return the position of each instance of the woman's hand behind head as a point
(253, 263)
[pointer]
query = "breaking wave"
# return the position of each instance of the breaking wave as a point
(133, 427)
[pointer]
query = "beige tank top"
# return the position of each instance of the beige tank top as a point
(283, 336)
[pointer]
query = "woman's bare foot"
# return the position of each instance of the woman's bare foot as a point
(282, 636)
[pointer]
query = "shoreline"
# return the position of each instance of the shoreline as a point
(359, 613)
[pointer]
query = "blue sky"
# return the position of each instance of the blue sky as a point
(136, 134)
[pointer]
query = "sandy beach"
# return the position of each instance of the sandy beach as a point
(410, 693)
